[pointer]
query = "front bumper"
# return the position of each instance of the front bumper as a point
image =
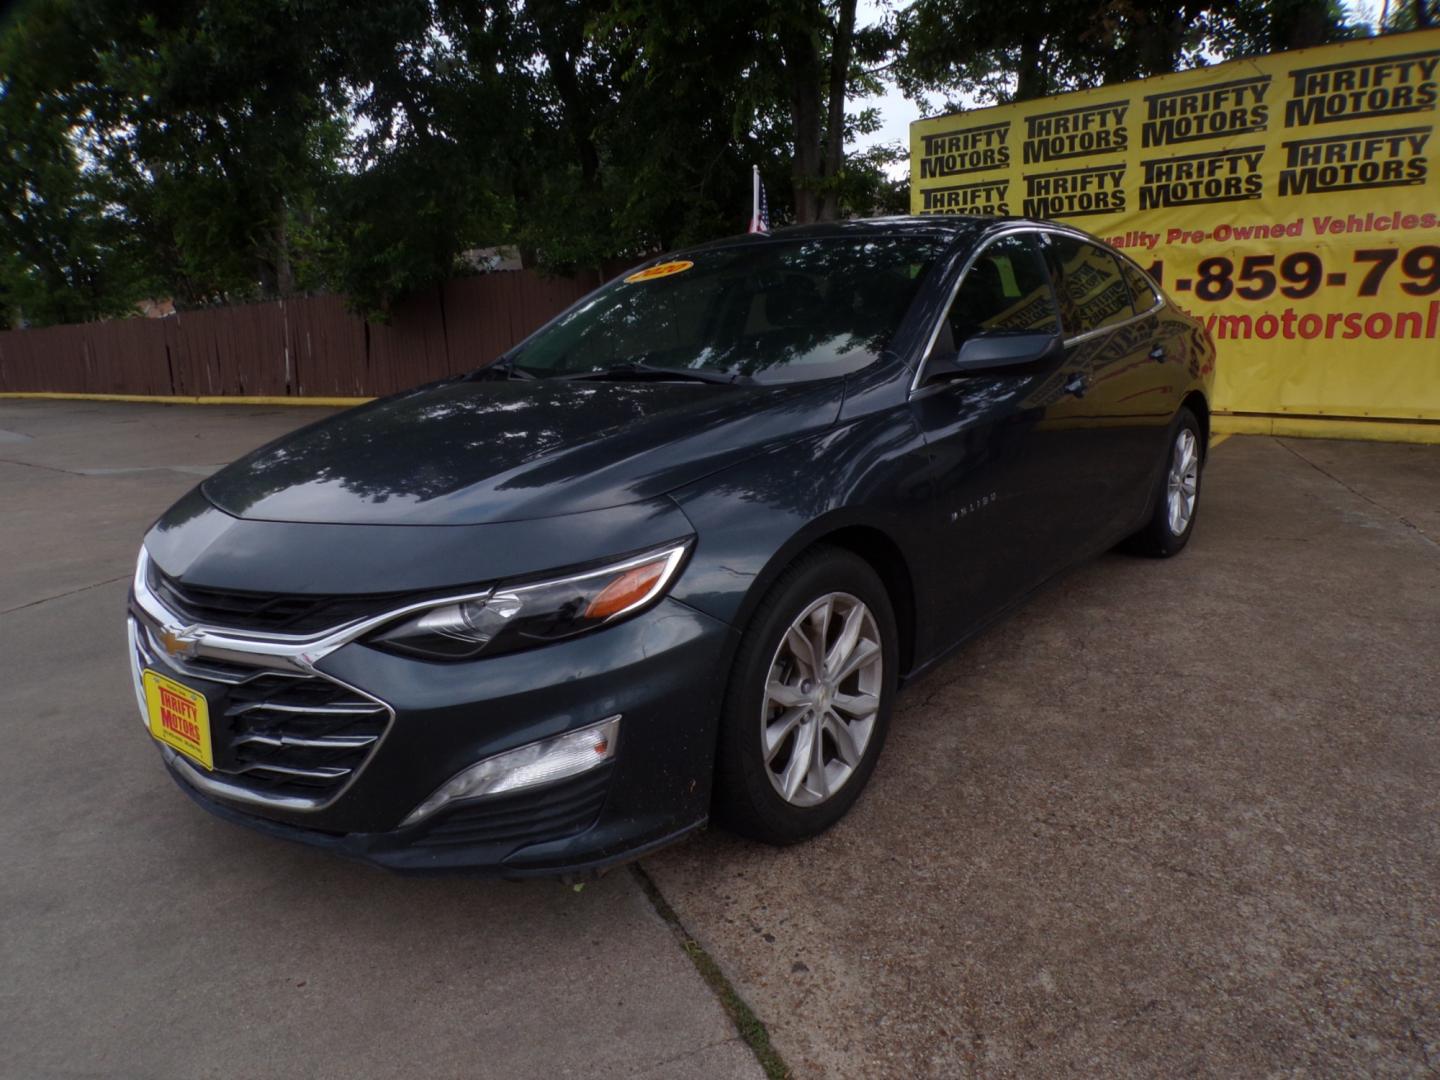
(662, 672)
(569, 843)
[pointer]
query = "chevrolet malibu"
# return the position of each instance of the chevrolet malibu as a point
(670, 557)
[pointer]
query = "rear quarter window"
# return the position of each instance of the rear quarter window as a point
(1142, 289)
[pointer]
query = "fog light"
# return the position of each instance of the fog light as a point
(526, 766)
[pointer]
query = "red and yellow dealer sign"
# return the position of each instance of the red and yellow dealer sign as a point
(179, 717)
(1292, 202)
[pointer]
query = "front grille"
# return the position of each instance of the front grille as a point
(266, 612)
(300, 736)
(280, 733)
(552, 813)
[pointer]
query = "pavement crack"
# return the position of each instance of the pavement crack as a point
(36, 465)
(124, 470)
(1360, 494)
(651, 1070)
(61, 596)
(753, 1032)
(1420, 1044)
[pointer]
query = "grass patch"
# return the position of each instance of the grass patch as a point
(751, 1029)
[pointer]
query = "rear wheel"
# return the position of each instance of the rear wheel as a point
(809, 700)
(1178, 498)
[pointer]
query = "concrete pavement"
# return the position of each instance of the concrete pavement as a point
(1170, 818)
(1173, 818)
(139, 937)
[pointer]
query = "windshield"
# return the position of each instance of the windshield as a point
(771, 312)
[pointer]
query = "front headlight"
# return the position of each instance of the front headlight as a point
(512, 617)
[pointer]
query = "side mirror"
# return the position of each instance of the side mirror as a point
(988, 351)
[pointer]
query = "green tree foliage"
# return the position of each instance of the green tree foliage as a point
(67, 254)
(971, 51)
(1255, 27)
(224, 150)
(1398, 16)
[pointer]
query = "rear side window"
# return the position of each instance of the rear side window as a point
(1005, 289)
(1142, 291)
(1092, 292)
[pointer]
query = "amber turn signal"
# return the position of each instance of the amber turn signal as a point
(626, 590)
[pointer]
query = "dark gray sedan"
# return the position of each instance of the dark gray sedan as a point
(670, 557)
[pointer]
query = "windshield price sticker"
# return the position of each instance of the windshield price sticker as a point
(665, 269)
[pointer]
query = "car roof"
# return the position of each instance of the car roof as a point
(939, 226)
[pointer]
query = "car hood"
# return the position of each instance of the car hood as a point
(476, 451)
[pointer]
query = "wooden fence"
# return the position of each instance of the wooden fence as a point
(306, 347)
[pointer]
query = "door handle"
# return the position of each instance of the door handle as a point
(1158, 353)
(1075, 385)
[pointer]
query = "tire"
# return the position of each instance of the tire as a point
(793, 707)
(1179, 479)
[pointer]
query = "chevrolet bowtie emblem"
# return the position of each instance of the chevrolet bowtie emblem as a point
(178, 643)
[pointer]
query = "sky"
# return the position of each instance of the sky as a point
(896, 113)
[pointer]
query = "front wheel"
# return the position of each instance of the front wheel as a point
(1178, 499)
(809, 700)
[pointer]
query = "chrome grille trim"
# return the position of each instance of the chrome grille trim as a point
(323, 772)
(139, 655)
(232, 659)
(221, 790)
(287, 652)
(211, 672)
(322, 742)
(313, 710)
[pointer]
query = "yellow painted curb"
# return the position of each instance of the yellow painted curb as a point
(1216, 440)
(1325, 427)
(180, 399)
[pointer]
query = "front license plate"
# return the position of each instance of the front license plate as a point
(179, 717)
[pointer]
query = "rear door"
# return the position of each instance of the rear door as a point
(1106, 408)
(1157, 374)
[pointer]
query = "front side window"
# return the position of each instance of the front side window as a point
(774, 312)
(1093, 295)
(1005, 289)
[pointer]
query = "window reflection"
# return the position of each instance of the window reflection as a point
(777, 311)
(1092, 292)
(1006, 289)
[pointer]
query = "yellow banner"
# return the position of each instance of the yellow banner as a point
(1290, 202)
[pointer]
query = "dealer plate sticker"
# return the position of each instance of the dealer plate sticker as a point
(179, 717)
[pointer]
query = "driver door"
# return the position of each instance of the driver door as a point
(1007, 484)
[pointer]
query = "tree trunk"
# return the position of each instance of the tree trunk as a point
(1298, 24)
(801, 48)
(1422, 14)
(284, 268)
(1161, 42)
(1031, 81)
(840, 53)
(560, 60)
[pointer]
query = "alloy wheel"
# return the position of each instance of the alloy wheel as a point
(1183, 482)
(822, 696)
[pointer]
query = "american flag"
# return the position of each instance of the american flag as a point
(760, 217)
